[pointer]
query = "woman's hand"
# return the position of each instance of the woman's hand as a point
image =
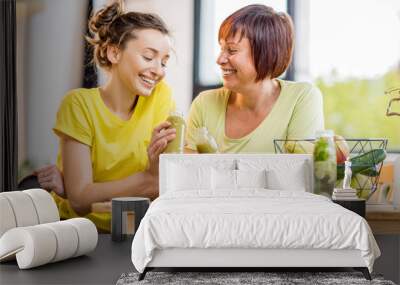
(51, 179)
(162, 134)
(150, 190)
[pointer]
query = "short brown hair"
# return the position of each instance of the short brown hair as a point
(111, 26)
(271, 37)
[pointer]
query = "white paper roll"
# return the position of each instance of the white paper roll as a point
(23, 208)
(67, 239)
(10, 244)
(45, 206)
(40, 244)
(7, 217)
(87, 235)
(34, 245)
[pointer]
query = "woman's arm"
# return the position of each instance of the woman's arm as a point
(194, 121)
(82, 192)
(51, 179)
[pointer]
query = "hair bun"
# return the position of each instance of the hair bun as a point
(100, 21)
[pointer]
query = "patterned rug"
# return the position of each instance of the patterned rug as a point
(230, 278)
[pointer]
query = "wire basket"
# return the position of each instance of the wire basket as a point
(366, 173)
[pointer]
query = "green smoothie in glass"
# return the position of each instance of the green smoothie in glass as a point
(205, 142)
(178, 123)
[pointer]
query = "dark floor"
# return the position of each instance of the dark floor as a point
(110, 260)
(102, 266)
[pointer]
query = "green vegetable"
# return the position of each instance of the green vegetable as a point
(364, 164)
(371, 172)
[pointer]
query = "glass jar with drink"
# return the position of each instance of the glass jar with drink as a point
(178, 123)
(324, 163)
(205, 142)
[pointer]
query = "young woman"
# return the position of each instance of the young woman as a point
(254, 107)
(111, 136)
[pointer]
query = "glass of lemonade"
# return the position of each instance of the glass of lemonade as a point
(178, 123)
(324, 163)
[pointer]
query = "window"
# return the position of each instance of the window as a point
(354, 57)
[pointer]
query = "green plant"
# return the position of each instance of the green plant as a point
(355, 108)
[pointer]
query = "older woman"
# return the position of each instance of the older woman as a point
(254, 107)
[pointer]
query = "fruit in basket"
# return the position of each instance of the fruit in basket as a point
(364, 164)
(342, 149)
(370, 172)
(299, 147)
(369, 158)
(362, 184)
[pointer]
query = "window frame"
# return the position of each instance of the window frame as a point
(8, 98)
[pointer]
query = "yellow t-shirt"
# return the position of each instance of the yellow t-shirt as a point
(297, 113)
(118, 148)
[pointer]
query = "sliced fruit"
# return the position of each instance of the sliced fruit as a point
(342, 149)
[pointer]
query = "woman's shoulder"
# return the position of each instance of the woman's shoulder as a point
(300, 89)
(212, 97)
(162, 89)
(298, 92)
(80, 96)
(161, 94)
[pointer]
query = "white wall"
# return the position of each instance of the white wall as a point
(54, 57)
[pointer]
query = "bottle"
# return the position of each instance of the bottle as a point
(205, 142)
(178, 123)
(324, 163)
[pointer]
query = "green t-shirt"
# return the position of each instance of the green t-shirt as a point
(297, 113)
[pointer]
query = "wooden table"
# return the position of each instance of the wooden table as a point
(386, 229)
(384, 222)
(101, 207)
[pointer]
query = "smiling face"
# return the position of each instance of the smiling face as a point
(236, 62)
(142, 62)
